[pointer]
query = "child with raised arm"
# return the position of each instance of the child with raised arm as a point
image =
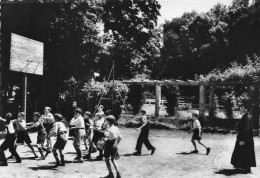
(197, 134)
(113, 137)
(9, 140)
(60, 131)
(22, 134)
(38, 125)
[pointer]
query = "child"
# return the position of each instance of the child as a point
(98, 134)
(48, 119)
(197, 134)
(38, 125)
(143, 137)
(22, 134)
(77, 124)
(113, 137)
(89, 133)
(61, 132)
(9, 140)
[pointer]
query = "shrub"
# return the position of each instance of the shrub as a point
(171, 93)
(136, 97)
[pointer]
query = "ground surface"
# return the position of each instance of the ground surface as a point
(169, 160)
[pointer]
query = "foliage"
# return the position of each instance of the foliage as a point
(229, 101)
(171, 94)
(90, 94)
(136, 97)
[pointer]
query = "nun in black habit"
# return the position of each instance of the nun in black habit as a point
(243, 156)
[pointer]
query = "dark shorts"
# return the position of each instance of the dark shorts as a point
(110, 148)
(9, 141)
(23, 136)
(61, 141)
(97, 136)
(48, 127)
(41, 137)
(196, 135)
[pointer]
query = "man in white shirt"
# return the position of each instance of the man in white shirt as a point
(78, 125)
(197, 134)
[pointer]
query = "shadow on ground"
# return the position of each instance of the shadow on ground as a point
(188, 153)
(230, 172)
(131, 154)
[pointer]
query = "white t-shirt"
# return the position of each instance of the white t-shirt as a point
(196, 124)
(99, 123)
(113, 133)
(10, 127)
(78, 122)
(59, 127)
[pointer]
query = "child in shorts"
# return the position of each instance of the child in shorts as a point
(60, 131)
(9, 140)
(89, 134)
(113, 137)
(197, 134)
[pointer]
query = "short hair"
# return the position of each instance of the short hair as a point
(88, 113)
(9, 116)
(99, 114)
(78, 110)
(59, 117)
(101, 106)
(22, 113)
(195, 115)
(36, 114)
(143, 111)
(48, 108)
(111, 119)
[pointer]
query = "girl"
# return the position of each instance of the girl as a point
(38, 125)
(61, 132)
(9, 140)
(243, 156)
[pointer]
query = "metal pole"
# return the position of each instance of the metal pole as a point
(25, 94)
(113, 87)
(1, 98)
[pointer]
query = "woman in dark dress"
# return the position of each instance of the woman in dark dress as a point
(243, 156)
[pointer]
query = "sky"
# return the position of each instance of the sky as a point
(175, 8)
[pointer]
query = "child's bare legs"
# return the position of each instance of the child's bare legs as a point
(115, 164)
(62, 158)
(108, 166)
(30, 146)
(55, 154)
(202, 144)
(194, 144)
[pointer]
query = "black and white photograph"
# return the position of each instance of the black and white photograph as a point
(129, 88)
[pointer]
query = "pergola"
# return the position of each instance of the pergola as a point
(253, 93)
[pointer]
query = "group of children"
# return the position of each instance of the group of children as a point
(98, 134)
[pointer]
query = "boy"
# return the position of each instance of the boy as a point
(48, 119)
(60, 130)
(113, 137)
(22, 134)
(77, 124)
(143, 137)
(98, 134)
(38, 125)
(9, 140)
(89, 133)
(197, 134)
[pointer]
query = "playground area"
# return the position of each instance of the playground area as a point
(171, 159)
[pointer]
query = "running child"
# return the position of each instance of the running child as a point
(113, 137)
(77, 124)
(22, 134)
(38, 126)
(197, 134)
(60, 131)
(9, 141)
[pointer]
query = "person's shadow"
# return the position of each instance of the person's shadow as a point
(188, 153)
(230, 172)
(48, 167)
(131, 154)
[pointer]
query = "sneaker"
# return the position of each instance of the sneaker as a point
(57, 164)
(47, 152)
(3, 164)
(110, 175)
(153, 150)
(195, 151)
(80, 160)
(137, 153)
(208, 150)
(62, 164)
(10, 157)
(76, 158)
(18, 161)
(43, 158)
(35, 156)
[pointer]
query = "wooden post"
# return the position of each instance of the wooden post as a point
(211, 103)
(202, 91)
(25, 94)
(157, 99)
(254, 100)
(1, 68)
